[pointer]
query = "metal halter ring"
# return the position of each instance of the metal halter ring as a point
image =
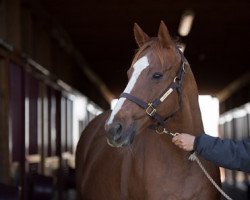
(175, 78)
(150, 110)
(157, 130)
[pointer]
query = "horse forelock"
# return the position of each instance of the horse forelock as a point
(154, 47)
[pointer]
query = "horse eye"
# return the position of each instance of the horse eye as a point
(157, 75)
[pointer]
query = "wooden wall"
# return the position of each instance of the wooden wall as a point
(235, 124)
(37, 99)
(36, 124)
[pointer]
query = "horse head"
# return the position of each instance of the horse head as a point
(153, 76)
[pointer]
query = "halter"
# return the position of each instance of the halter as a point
(150, 107)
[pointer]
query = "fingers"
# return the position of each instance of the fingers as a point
(184, 141)
(179, 139)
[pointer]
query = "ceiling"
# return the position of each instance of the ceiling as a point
(217, 46)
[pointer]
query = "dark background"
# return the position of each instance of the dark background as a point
(217, 46)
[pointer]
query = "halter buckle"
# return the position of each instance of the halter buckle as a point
(150, 110)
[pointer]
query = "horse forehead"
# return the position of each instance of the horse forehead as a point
(141, 64)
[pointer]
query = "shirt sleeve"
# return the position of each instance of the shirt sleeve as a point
(230, 154)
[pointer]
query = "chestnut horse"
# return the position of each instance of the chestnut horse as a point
(161, 97)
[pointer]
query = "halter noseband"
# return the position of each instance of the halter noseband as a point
(150, 107)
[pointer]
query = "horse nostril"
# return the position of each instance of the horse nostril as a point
(117, 131)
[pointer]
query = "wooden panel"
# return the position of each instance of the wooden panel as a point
(58, 124)
(241, 133)
(69, 125)
(31, 123)
(52, 114)
(17, 128)
(43, 124)
(49, 121)
(17, 112)
(63, 124)
(248, 131)
(4, 123)
(32, 95)
(52, 123)
(45, 121)
(228, 133)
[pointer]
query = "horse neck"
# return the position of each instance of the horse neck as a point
(188, 119)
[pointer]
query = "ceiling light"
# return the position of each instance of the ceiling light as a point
(186, 22)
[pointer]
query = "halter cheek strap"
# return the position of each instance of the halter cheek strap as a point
(149, 108)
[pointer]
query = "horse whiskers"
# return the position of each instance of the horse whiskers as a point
(131, 149)
(128, 150)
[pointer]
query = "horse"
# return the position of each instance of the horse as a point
(127, 153)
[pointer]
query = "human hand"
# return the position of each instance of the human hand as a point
(184, 141)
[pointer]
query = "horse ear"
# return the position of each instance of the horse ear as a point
(140, 37)
(164, 35)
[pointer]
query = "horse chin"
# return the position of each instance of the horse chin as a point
(113, 144)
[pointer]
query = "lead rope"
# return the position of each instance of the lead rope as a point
(194, 157)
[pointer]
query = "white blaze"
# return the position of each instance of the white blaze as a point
(139, 66)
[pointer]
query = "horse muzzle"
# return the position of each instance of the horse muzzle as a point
(119, 136)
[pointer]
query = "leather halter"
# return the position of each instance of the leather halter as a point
(150, 107)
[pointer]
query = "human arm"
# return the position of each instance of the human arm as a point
(226, 153)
